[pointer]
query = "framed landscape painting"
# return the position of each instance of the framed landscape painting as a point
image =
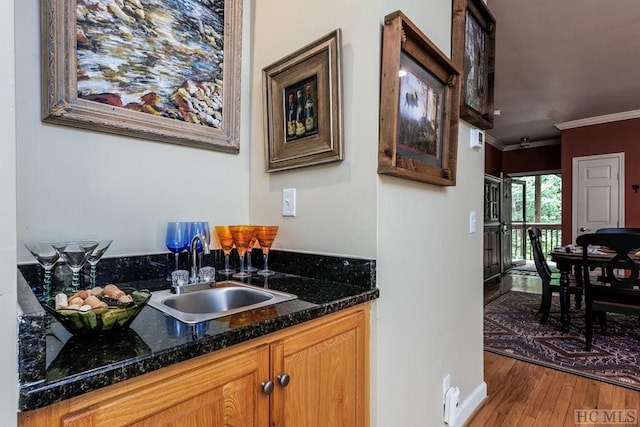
(473, 49)
(418, 106)
(162, 70)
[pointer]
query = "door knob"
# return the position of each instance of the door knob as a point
(284, 379)
(583, 230)
(267, 387)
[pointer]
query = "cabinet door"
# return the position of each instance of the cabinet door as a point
(327, 368)
(224, 393)
(491, 254)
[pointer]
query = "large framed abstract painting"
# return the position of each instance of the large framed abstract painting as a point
(419, 106)
(473, 50)
(302, 97)
(163, 70)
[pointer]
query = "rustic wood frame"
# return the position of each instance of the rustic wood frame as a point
(320, 61)
(480, 114)
(402, 37)
(61, 105)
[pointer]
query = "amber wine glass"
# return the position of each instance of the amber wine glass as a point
(249, 268)
(226, 243)
(241, 237)
(266, 234)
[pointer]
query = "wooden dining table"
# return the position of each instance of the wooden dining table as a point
(565, 260)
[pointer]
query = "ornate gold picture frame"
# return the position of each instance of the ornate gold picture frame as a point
(303, 106)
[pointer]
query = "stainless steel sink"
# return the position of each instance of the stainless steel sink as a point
(225, 299)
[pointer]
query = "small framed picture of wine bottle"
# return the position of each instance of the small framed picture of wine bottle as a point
(302, 120)
(303, 106)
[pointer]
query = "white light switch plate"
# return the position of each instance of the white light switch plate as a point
(289, 202)
(472, 222)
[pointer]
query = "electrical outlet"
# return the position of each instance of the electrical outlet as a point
(289, 202)
(446, 385)
(451, 406)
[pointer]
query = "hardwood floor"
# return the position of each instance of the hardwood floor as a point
(524, 394)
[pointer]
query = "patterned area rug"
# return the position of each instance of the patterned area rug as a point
(512, 329)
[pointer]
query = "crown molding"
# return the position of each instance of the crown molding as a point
(633, 114)
(493, 142)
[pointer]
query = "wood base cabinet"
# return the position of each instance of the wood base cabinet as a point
(313, 374)
(328, 375)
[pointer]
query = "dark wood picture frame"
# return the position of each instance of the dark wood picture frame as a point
(66, 40)
(473, 51)
(297, 134)
(419, 106)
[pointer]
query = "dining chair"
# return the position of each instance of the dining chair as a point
(550, 280)
(537, 239)
(618, 230)
(620, 293)
(603, 276)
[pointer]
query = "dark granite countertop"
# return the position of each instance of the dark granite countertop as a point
(69, 366)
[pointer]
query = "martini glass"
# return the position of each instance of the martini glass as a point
(226, 243)
(46, 255)
(241, 237)
(252, 242)
(176, 238)
(95, 256)
(75, 254)
(266, 235)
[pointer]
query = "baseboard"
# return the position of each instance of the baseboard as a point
(471, 403)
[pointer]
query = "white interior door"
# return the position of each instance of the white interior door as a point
(597, 193)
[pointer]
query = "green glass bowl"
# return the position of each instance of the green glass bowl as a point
(103, 319)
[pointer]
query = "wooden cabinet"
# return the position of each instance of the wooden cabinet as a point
(491, 199)
(207, 391)
(319, 371)
(491, 252)
(492, 238)
(328, 373)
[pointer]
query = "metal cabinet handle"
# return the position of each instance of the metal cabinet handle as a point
(284, 379)
(582, 229)
(267, 387)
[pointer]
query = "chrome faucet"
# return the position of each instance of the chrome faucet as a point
(194, 255)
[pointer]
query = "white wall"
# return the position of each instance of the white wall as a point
(8, 367)
(78, 183)
(429, 316)
(428, 320)
(336, 201)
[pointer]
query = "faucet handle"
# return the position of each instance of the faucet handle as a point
(179, 278)
(207, 274)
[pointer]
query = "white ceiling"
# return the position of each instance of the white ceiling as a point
(563, 60)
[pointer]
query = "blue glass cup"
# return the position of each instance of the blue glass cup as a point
(177, 238)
